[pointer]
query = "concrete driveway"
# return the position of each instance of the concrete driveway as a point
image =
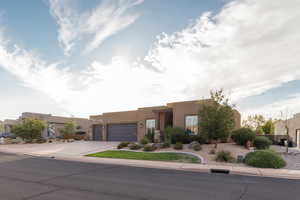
(76, 148)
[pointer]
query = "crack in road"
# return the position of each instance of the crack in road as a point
(244, 191)
(41, 194)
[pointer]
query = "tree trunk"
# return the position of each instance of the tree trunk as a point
(216, 144)
(288, 140)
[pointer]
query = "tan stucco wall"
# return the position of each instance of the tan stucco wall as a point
(8, 123)
(293, 124)
(58, 122)
(180, 110)
(143, 114)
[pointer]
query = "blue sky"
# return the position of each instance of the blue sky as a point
(87, 57)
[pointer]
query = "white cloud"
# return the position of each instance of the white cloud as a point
(249, 47)
(107, 19)
(290, 105)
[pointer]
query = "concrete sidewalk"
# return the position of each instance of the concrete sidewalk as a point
(247, 171)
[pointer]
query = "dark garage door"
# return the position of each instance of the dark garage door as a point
(122, 132)
(97, 132)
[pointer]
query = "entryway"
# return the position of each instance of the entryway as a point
(97, 133)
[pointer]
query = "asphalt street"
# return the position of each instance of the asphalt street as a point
(24, 177)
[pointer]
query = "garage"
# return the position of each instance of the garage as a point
(97, 132)
(122, 132)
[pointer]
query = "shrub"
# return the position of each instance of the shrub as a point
(178, 146)
(176, 134)
(224, 156)
(29, 129)
(41, 140)
(79, 137)
(28, 141)
(122, 145)
(149, 147)
(199, 138)
(144, 141)
(197, 147)
(166, 145)
(134, 146)
(212, 151)
(68, 131)
(264, 159)
(150, 136)
(262, 142)
(242, 135)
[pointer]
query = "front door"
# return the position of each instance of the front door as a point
(97, 132)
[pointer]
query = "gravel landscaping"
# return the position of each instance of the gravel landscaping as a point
(210, 158)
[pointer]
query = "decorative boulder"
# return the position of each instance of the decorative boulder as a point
(149, 147)
(193, 144)
(134, 146)
(157, 145)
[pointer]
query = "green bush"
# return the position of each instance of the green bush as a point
(122, 145)
(242, 135)
(262, 142)
(176, 134)
(144, 141)
(149, 147)
(178, 146)
(150, 136)
(29, 129)
(134, 146)
(264, 159)
(199, 138)
(224, 156)
(41, 140)
(166, 145)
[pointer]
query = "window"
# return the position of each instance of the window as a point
(150, 125)
(191, 124)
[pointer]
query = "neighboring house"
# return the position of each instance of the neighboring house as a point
(55, 123)
(294, 129)
(1, 127)
(8, 124)
(133, 125)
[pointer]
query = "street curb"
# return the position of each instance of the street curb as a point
(183, 152)
(201, 168)
(243, 171)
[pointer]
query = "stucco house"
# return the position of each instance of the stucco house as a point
(53, 123)
(1, 127)
(8, 124)
(294, 129)
(133, 125)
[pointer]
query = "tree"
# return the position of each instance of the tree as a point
(255, 123)
(69, 130)
(29, 129)
(268, 127)
(286, 124)
(1, 127)
(216, 117)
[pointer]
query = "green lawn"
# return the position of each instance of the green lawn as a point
(174, 157)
